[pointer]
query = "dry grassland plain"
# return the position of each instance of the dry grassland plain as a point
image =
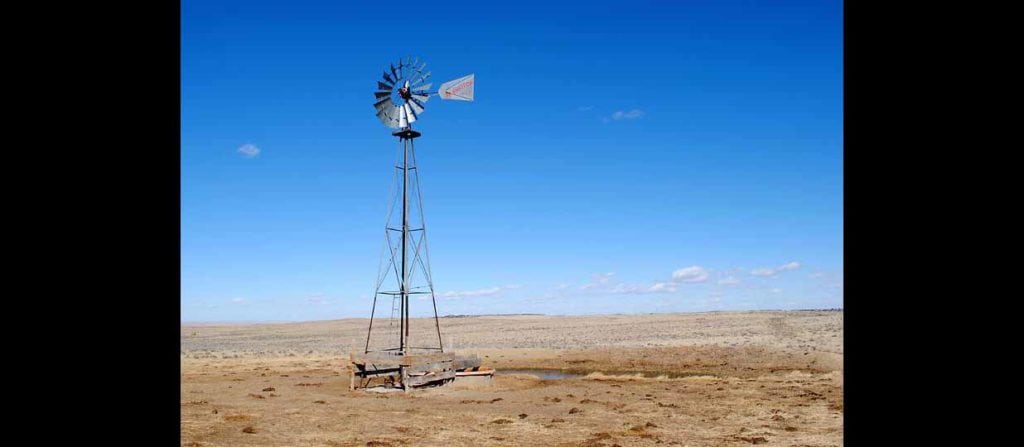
(688, 379)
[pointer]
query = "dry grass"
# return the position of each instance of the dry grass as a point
(726, 379)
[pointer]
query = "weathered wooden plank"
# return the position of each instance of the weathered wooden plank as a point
(425, 379)
(394, 358)
(374, 357)
(432, 366)
(426, 358)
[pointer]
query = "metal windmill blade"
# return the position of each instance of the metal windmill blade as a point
(421, 79)
(421, 90)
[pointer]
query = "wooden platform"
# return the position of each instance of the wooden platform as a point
(408, 371)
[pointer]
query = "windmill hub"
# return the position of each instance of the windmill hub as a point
(404, 92)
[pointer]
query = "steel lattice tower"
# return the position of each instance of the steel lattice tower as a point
(408, 255)
(401, 97)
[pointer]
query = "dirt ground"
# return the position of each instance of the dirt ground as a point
(701, 379)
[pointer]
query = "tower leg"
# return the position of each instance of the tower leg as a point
(405, 237)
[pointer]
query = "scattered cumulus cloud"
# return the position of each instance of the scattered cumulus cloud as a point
(605, 283)
(490, 291)
(249, 150)
(599, 280)
(774, 271)
(627, 115)
(662, 287)
(693, 273)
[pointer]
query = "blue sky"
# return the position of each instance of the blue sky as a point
(619, 157)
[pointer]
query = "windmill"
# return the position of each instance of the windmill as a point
(401, 98)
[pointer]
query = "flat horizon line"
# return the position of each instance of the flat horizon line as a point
(245, 322)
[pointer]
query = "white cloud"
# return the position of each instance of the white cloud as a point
(585, 108)
(238, 300)
(690, 274)
(776, 290)
(769, 271)
(789, 266)
(249, 150)
(490, 291)
(599, 280)
(627, 115)
(662, 287)
(728, 281)
(603, 283)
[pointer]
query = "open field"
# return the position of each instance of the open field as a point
(707, 379)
